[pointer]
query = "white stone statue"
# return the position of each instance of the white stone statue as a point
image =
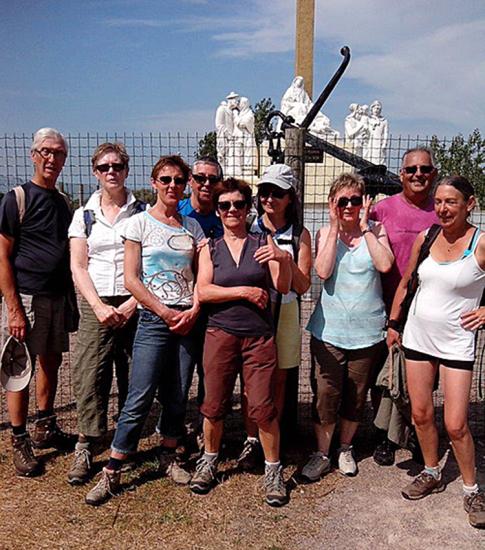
(375, 147)
(356, 130)
(245, 144)
(224, 123)
(297, 103)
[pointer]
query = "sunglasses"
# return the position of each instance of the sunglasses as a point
(201, 179)
(117, 167)
(275, 192)
(424, 169)
(167, 180)
(225, 206)
(354, 200)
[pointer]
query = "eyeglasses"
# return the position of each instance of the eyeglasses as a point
(225, 206)
(117, 167)
(424, 169)
(45, 153)
(167, 180)
(201, 179)
(275, 192)
(355, 200)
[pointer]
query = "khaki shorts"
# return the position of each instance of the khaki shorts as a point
(45, 324)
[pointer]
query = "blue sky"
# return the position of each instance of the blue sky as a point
(163, 65)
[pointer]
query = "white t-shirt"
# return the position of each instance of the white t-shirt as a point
(105, 245)
(167, 256)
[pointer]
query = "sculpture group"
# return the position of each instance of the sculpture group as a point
(236, 146)
(366, 130)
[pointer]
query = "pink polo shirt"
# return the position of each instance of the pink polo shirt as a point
(403, 222)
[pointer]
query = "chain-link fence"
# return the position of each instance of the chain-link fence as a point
(78, 182)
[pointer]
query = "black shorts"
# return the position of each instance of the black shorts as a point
(413, 355)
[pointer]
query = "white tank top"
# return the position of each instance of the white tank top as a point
(446, 290)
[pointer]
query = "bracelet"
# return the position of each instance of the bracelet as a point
(394, 324)
(368, 230)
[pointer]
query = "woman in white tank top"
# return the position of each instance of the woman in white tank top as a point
(440, 333)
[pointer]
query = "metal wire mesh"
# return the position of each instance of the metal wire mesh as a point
(78, 181)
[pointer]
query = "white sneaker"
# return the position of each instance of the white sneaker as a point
(346, 462)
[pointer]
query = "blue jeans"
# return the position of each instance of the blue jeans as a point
(162, 360)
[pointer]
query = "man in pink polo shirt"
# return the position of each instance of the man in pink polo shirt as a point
(404, 216)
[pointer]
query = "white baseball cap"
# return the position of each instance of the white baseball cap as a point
(280, 175)
(15, 365)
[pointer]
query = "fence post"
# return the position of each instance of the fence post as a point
(294, 151)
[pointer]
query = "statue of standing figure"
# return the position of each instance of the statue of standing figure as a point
(245, 143)
(367, 131)
(375, 148)
(235, 143)
(297, 103)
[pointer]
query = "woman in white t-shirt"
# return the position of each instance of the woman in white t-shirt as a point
(160, 250)
(440, 333)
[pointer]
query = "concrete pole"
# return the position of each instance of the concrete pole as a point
(305, 23)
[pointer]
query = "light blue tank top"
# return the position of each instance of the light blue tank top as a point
(350, 312)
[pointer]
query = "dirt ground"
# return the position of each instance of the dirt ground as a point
(362, 512)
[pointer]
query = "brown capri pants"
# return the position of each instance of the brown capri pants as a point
(225, 355)
(340, 379)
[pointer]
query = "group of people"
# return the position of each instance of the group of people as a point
(199, 282)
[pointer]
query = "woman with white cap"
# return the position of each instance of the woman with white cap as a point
(279, 216)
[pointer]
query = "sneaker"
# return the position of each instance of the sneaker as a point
(108, 486)
(318, 465)
(385, 453)
(475, 507)
(251, 455)
(346, 462)
(47, 434)
(24, 460)
(422, 485)
(274, 484)
(170, 465)
(80, 471)
(204, 477)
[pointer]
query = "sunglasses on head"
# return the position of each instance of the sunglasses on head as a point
(275, 192)
(225, 206)
(167, 180)
(117, 167)
(201, 179)
(355, 200)
(424, 169)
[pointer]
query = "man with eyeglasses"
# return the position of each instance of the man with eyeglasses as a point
(206, 173)
(34, 280)
(404, 216)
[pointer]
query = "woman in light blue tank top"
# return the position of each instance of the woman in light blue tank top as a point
(348, 320)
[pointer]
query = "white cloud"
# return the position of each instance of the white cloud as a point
(422, 59)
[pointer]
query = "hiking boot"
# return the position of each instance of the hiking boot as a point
(422, 485)
(251, 455)
(274, 484)
(346, 462)
(80, 471)
(385, 453)
(47, 434)
(108, 486)
(204, 477)
(475, 507)
(318, 465)
(171, 466)
(24, 460)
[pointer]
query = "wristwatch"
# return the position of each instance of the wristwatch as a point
(368, 230)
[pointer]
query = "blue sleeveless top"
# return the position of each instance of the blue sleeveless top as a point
(350, 312)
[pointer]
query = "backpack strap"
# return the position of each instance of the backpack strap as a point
(20, 198)
(89, 221)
